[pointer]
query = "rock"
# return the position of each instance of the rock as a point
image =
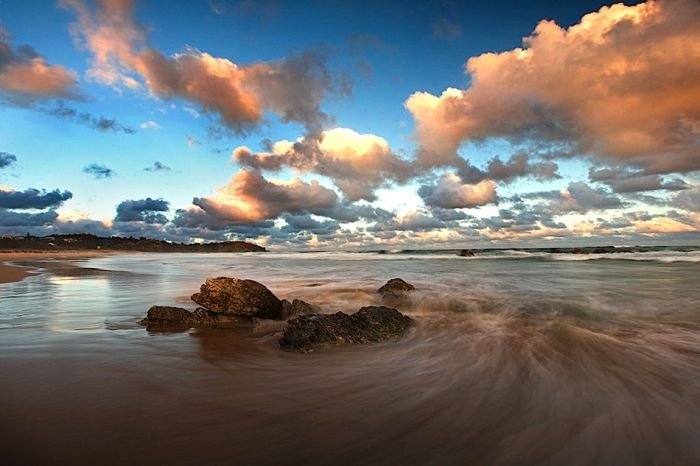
(396, 285)
(296, 308)
(465, 253)
(394, 293)
(371, 324)
(231, 296)
(173, 315)
(163, 316)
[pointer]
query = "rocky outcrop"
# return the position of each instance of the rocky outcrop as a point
(371, 324)
(229, 300)
(465, 253)
(396, 285)
(231, 296)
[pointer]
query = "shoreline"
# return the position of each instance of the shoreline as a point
(11, 273)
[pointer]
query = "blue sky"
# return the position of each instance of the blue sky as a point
(204, 89)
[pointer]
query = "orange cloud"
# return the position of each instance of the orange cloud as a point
(292, 88)
(622, 85)
(26, 77)
(357, 163)
(250, 198)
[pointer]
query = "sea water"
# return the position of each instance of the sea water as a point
(516, 358)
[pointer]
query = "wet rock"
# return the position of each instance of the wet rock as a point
(465, 253)
(396, 285)
(296, 308)
(231, 296)
(371, 324)
(177, 316)
(395, 293)
(173, 315)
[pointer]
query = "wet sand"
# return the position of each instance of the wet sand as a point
(16, 266)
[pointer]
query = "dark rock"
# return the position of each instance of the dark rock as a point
(394, 293)
(173, 315)
(177, 316)
(371, 324)
(396, 285)
(296, 308)
(465, 253)
(231, 296)
(578, 251)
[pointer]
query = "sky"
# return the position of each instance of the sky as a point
(352, 125)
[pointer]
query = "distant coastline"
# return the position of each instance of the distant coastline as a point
(88, 242)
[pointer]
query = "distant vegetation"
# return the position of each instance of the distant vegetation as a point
(83, 242)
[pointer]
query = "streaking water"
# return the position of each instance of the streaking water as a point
(517, 358)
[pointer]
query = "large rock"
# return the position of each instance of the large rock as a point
(371, 324)
(231, 296)
(396, 285)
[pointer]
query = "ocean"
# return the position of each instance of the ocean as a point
(517, 357)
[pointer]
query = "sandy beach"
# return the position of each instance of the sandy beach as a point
(10, 272)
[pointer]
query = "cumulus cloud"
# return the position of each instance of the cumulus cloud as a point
(450, 193)
(632, 181)
(688, 200)
(143, 210)
(7, 159)
(578, 197)
(26, 77)
(293, 88)
(99, 171)
(32, 198)
(9, 218)
(357, 163)
(621, 85)
(249, 198)
(99, 123)
(296, 224)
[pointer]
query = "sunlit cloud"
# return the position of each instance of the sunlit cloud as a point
(620, 86)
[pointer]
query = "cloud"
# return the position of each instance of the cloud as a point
(99, 171)
(157, 167)
(578, 197)
(26, 77)
(628, 181)
(450, 193)
(296, 224)
(688, 200)
(150, 124)
(32, 198)
(249, 198)
(7, 159)
(292, 88)
(99, 123)
(357, 163)
(621, 85)
(143, 210)
(9, 219)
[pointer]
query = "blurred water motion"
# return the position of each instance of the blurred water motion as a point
(513, 361)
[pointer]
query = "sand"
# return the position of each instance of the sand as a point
(15, 273)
